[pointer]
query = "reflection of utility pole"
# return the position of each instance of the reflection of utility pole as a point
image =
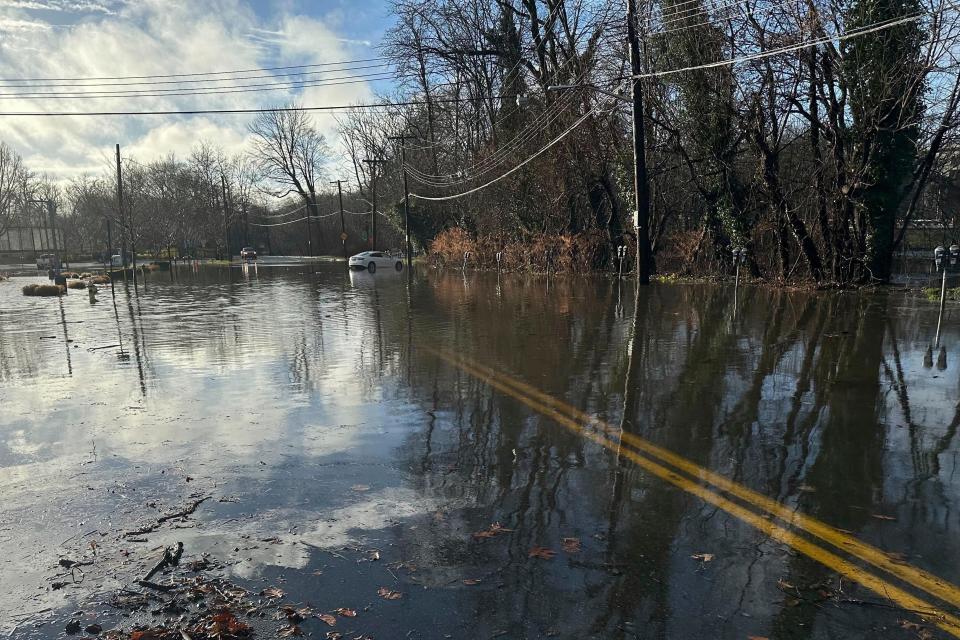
(373, 188)
(343, 231)
(406, 193)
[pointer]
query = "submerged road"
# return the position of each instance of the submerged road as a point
(462, 455)
(742, 503)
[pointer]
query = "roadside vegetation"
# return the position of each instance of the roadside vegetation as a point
(816, 160)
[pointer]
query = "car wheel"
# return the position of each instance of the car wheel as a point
(399, 266)
(372, 267)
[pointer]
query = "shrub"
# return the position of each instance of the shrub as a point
(538, 252)
(44, 290)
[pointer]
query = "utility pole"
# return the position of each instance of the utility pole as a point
(641, 186)
(373, 188)
(109, 245)
(343, 231)
(226, 228)
(126, 221)
(406, 195)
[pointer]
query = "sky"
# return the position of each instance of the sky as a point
(67, 39)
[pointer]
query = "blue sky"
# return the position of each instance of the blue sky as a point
(85, 38)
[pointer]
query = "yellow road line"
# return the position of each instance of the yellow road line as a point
(945, 621)
(932, 584)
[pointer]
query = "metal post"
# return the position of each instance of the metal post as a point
(943, 302)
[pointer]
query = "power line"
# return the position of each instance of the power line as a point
(163, 93)
(84, 85)
(880, 26)
(193, 112)
(196, 74)
(540, 122)
(563, 135)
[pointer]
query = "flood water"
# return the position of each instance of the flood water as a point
(334, 417)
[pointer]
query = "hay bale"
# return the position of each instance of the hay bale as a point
(43, 290)
(100, 280)
(86, 274)
(70, 274)
(76, 284)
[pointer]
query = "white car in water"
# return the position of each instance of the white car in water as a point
(373, 260)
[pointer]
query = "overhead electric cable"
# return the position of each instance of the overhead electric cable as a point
(162, 93)
(196, 74)
(189, 112)
(84, 85)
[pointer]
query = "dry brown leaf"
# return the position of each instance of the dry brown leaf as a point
(703, 557)
(289, 630)
(346, 613)
(472, 581)
(493, 530)
(329, 619)
(388, 594)
(542, 553)
(570, 545)
(225, 623)
(334, 635)
(272, 592)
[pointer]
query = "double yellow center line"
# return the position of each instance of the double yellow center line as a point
(711, 487)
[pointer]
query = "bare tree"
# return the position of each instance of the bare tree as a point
(14, 179)
(292, 154)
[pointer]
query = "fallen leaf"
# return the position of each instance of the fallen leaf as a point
(542, 552)
(334, 635)
(360, 487)
(329, 619)
(472, 581)
(223, 623)
(703, 557)
(346, 613)
(290, 630)
(272, 592)
(570, 545)
(495, 529)
(388, 594)
(375, 556)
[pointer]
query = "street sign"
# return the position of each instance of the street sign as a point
(343, 236)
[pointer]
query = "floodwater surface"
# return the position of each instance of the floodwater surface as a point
(517, 457)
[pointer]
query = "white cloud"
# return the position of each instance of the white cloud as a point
(108, 38)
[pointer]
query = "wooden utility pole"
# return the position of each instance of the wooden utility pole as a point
(126, 221)
(226, 228)
(373, 188)
(641, 186)
(406, 195)
(343, 231)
